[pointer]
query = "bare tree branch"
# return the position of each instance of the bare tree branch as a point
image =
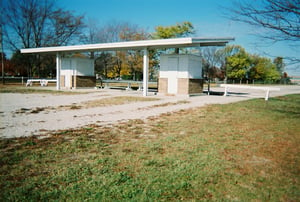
(36, 23)
(280, 18)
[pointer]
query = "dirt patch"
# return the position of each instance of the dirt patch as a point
(37, 110)
(165, 104)
(87, 104)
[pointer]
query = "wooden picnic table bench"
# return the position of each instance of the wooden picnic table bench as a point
(128, 82)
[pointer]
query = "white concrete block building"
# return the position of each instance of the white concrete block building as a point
(77, 72)
(180, 74)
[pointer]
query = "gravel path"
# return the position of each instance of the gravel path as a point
(36, 114)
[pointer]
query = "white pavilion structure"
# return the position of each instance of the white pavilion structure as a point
(171, 85)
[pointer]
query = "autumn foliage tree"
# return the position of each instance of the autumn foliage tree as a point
(103, 64)
(127, 64)
(134, 58)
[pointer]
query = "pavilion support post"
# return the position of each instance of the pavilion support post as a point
(58, 68)
(145, 71)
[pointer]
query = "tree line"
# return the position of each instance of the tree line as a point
(41, 23)
(234, 63)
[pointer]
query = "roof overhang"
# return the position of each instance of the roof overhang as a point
(134, 45)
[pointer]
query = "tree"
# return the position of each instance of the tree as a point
(243, 65)
(237, 65)
(278, 61)
(226, 52)
(123, 63)
(116, 31)
(260, 68)
(135, 63)
(280, 17)
(37, 23)
(133, 33)
(272, 74)
(118, 63)
(2, 52)
(179, 30)
(134, 58)
(65, 27)
(32, 23)
(19, 62)
(103, 64)
(91, 34)
(211, 61)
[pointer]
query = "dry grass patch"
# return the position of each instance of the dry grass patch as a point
(166, 104)
(118, 100)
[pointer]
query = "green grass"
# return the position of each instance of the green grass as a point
(246, 151)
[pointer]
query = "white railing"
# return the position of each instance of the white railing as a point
(263, 88)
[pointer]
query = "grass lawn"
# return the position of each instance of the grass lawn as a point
(246, 151)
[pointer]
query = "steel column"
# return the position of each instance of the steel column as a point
(58, 68)
(145, 71)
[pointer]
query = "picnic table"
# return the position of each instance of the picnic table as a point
(43, 82)
(128, 82)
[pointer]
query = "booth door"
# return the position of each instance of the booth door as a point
(172, 74)
(68, 79)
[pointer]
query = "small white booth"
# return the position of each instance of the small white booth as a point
(77, 72)
(180, 74)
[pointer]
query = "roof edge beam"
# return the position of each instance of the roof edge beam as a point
(133, 45)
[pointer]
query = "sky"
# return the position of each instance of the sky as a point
(207, 16)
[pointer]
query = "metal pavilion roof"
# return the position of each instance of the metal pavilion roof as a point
(134, 45)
